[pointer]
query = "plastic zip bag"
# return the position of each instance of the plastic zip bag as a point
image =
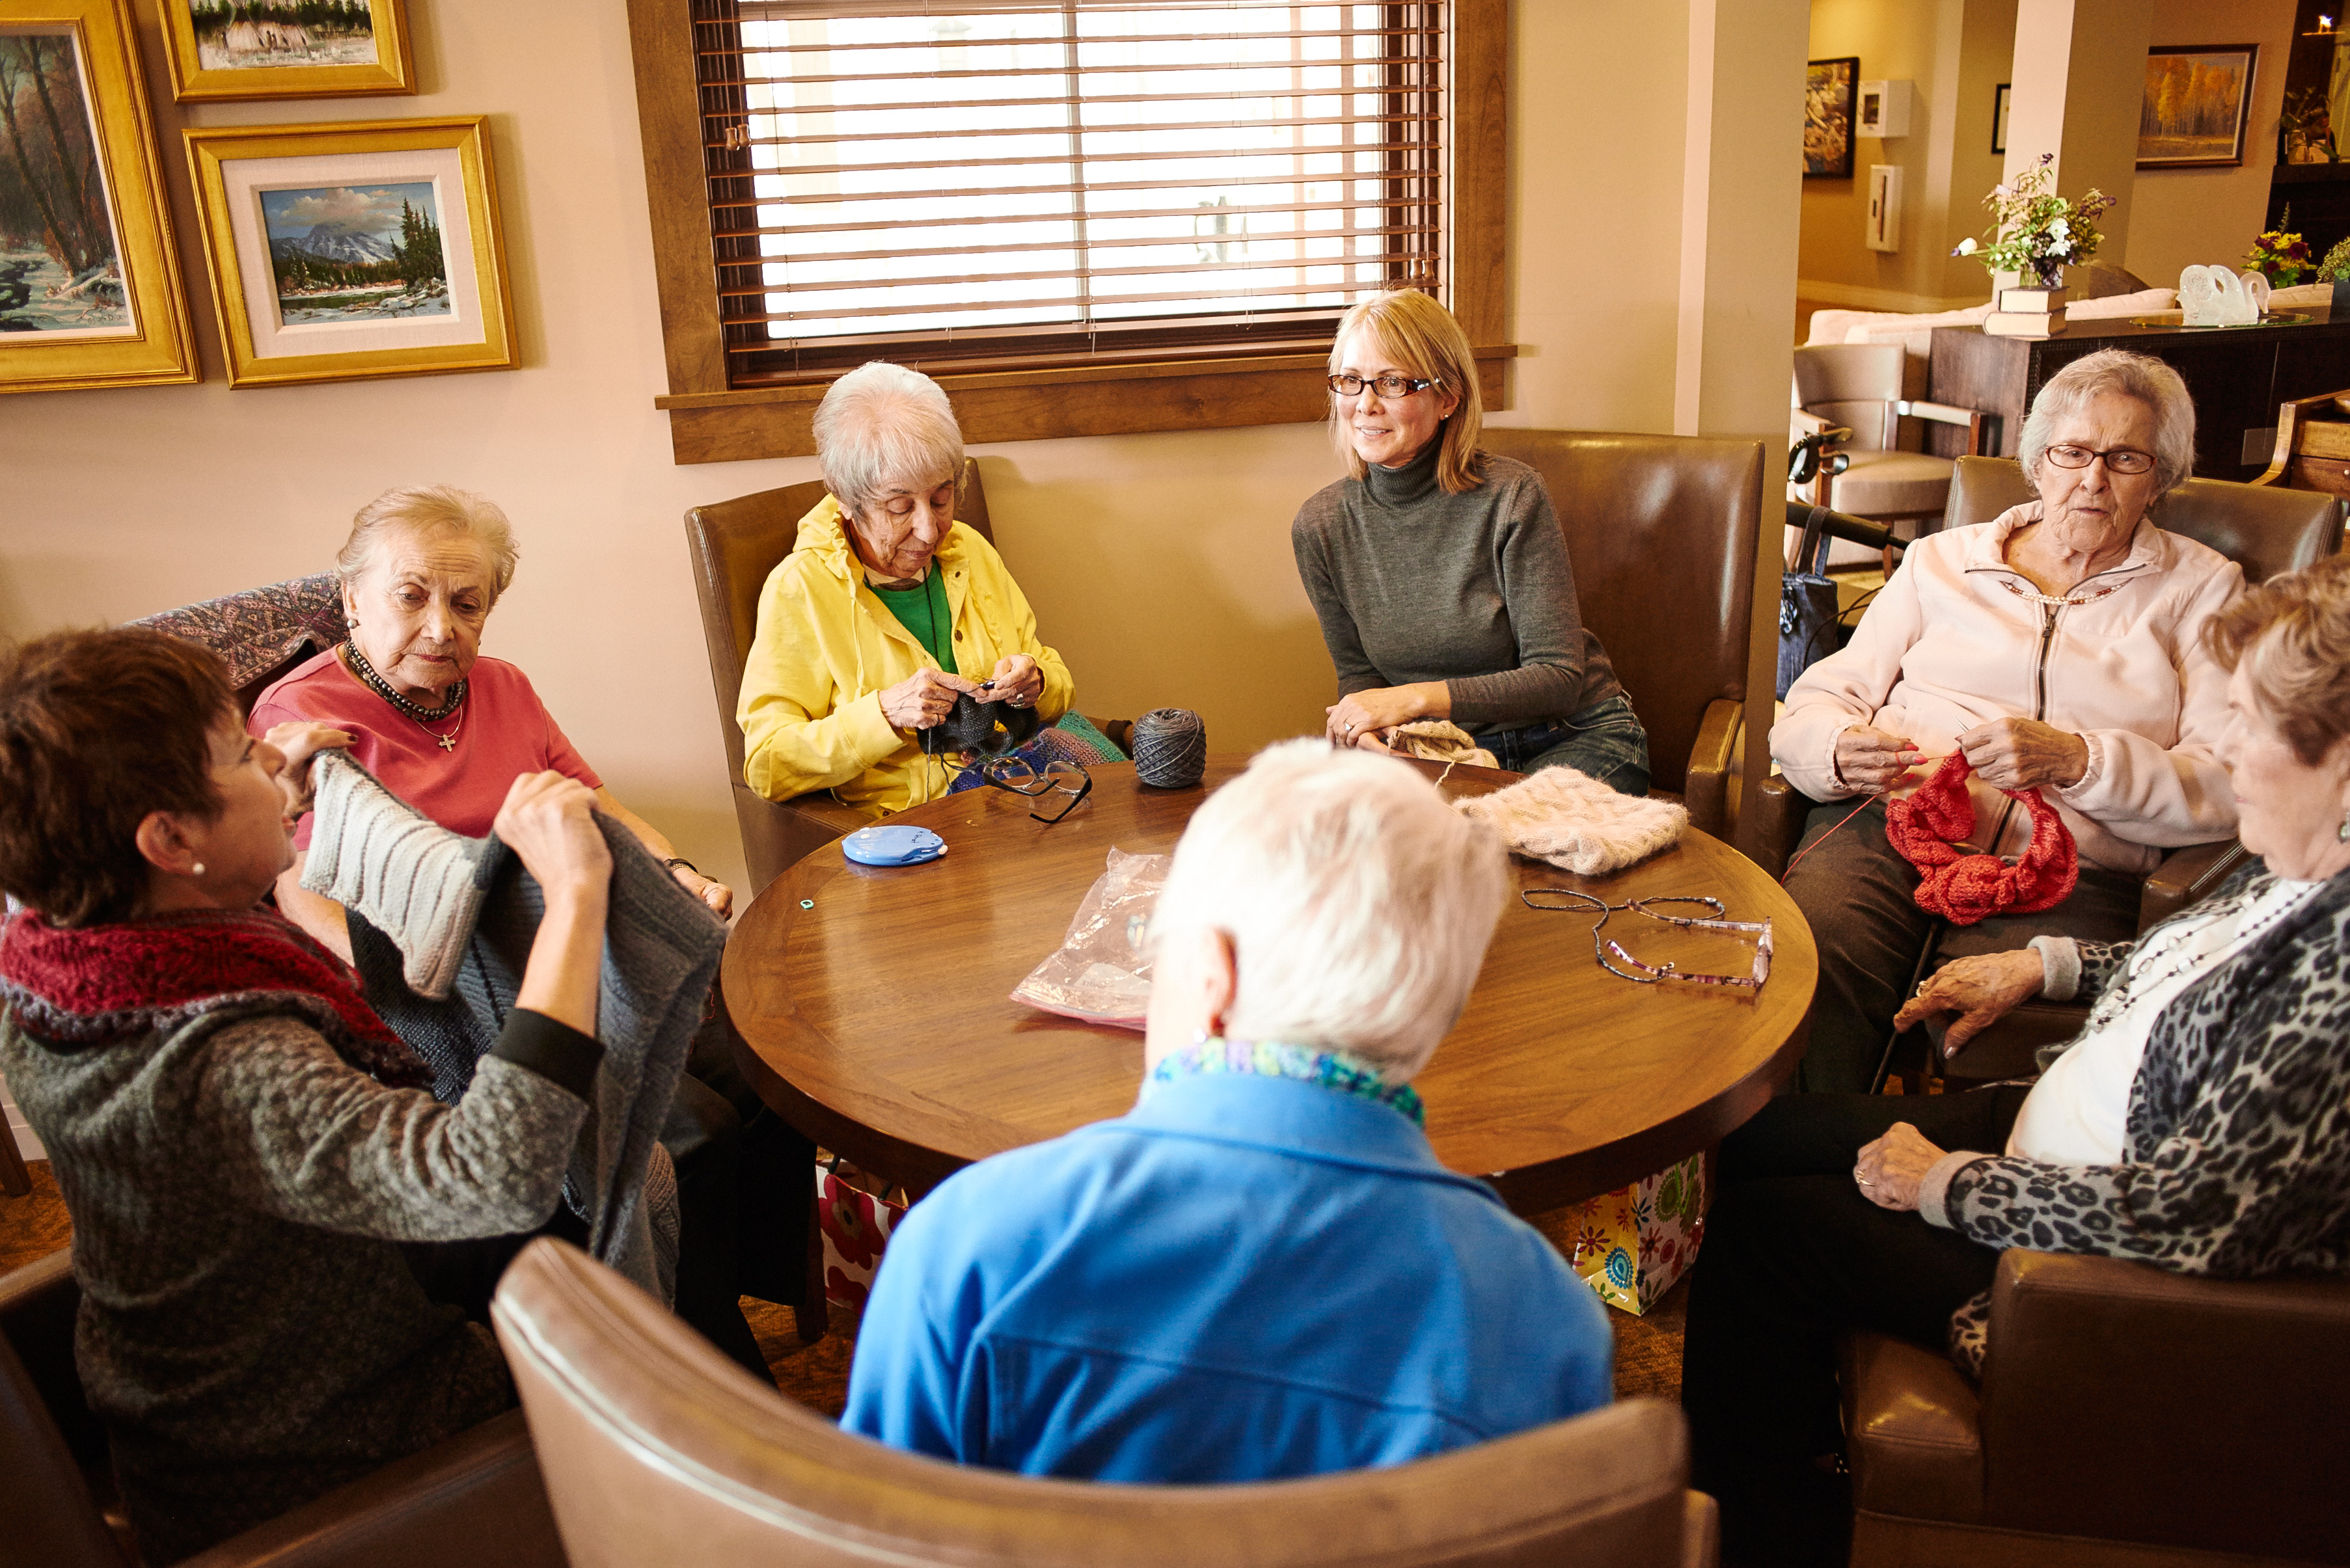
(1099, 973)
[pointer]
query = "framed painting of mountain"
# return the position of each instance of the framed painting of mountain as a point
(346, 251)
(90, 293)
(287, 48)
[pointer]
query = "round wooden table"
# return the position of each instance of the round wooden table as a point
(874, 1003)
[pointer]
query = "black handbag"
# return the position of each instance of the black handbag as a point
(1807, 604)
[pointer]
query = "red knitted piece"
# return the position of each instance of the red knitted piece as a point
(99, 984)
(1963, 888)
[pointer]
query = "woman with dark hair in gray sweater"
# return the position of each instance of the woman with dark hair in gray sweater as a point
(241, 1142)
(1440, 573)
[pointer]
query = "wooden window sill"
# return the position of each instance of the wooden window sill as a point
(1085, 400)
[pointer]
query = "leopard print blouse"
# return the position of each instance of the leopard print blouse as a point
(2237, 1138)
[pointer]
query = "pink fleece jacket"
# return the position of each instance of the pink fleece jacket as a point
(1952, 642)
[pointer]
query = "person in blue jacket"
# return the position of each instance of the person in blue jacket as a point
(1262, 1270)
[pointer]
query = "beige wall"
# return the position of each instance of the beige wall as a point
(1955, 53)
(1160, 565)
(2188, 217)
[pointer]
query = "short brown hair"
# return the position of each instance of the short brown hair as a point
(1425, 339)
(2293, 635)
(96, 730)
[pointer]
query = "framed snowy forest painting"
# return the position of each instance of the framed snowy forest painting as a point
(287, 48)
(90, 284)
(354, 249)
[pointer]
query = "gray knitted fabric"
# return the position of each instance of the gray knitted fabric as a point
(1413, 584)
(249, 1331)
(661, 949)
(397, 869)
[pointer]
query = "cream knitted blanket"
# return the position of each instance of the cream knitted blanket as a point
(1577, 823)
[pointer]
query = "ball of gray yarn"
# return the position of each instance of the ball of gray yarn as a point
(1170, 747)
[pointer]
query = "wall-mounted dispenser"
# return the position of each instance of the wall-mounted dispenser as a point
(1883, 109)
(1884, 231)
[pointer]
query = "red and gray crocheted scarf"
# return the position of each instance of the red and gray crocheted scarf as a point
(1963, 888)
(102, 984)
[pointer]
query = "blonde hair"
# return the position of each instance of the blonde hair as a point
(2291, 634)
(1359, 903)
(1421, 337)
(426, 508)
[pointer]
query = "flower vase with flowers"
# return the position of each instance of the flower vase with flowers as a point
(2279, 256)
(2037, 233)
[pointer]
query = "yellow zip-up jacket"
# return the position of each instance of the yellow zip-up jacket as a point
(827, 647)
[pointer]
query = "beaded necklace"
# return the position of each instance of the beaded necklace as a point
(2140, 980)
(356, 662)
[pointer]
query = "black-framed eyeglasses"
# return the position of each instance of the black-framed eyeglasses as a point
(2118, 459)
(1390, 384)
(1018, 775)
(1601, 947)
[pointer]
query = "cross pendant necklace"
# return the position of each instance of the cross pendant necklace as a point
(447, 742)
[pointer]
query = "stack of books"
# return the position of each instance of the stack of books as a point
(2027, 313)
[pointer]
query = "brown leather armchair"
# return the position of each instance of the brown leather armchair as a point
(2265, 531)
(1662, 533)
(476, 1498)
(2128, 1417)
(651, 1438)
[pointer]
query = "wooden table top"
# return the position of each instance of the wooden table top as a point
(874, 1003)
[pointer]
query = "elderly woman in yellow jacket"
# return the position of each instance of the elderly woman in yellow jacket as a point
(886, 610)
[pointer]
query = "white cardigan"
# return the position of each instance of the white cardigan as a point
(1952, 642)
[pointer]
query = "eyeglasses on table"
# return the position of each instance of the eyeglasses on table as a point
(1569, 900)
(1022, 778)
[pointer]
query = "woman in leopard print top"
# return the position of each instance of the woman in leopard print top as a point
(2200, 1121)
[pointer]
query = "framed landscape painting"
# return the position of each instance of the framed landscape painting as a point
(1827, 117)
(90, 293)
(287, 48)
(2198, 98)
(346, 251)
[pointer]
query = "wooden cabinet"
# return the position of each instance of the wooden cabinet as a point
(2238, 376)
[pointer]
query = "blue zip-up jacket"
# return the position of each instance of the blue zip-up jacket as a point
(1243, 1279)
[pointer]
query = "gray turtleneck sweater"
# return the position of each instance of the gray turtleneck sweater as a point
(1413, 584)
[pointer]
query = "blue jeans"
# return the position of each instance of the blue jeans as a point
(1604, 740)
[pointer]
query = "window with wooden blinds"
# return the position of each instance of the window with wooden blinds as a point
(1031, 181)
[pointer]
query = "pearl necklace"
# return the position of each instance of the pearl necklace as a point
(2138, 982)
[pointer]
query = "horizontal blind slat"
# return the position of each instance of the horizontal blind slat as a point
(1049, 302)
(940, 280)
(960, 223)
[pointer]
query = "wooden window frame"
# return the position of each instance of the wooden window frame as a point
(712, 421)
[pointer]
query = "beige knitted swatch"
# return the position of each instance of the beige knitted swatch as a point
(1577, 823)
(1439, 741)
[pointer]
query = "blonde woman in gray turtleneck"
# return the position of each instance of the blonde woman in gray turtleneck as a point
(1440, 573)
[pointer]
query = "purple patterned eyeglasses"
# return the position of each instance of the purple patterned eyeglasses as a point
(1650, 974)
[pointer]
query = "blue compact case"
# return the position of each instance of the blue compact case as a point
(893, 846)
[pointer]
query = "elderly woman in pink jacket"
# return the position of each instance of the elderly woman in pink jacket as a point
(2058, 648)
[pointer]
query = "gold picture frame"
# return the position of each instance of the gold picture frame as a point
(347, 251)
(90, 293)
(220, 51)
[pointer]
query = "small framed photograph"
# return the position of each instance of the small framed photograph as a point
(2198, 98)
(1827, 117)
(90, 293)
(222, 49)
(345, 251)
(1999, 119)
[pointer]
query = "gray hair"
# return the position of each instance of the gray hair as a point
(2150, 381)
(426, 508)
(1358, 903)
(882, 424)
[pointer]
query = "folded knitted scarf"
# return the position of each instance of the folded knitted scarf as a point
(1927, 828)
(1439, 741)
(1577, 823)
(384, 860)
(96, 985)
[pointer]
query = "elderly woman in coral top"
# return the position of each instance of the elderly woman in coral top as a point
(2059, 648)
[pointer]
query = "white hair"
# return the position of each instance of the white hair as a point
(1358, 904)
(2150, 381)
(880, 425)
(425, 508)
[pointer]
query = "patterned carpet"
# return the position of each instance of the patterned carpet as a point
(1648, 1349)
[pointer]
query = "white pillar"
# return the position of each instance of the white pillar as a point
(2080, 82)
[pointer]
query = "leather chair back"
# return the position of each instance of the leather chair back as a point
(1662, 533)
(734, 544)
(48, 1516)
(2265, 530)
(650, 1441)
(1853, 384)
